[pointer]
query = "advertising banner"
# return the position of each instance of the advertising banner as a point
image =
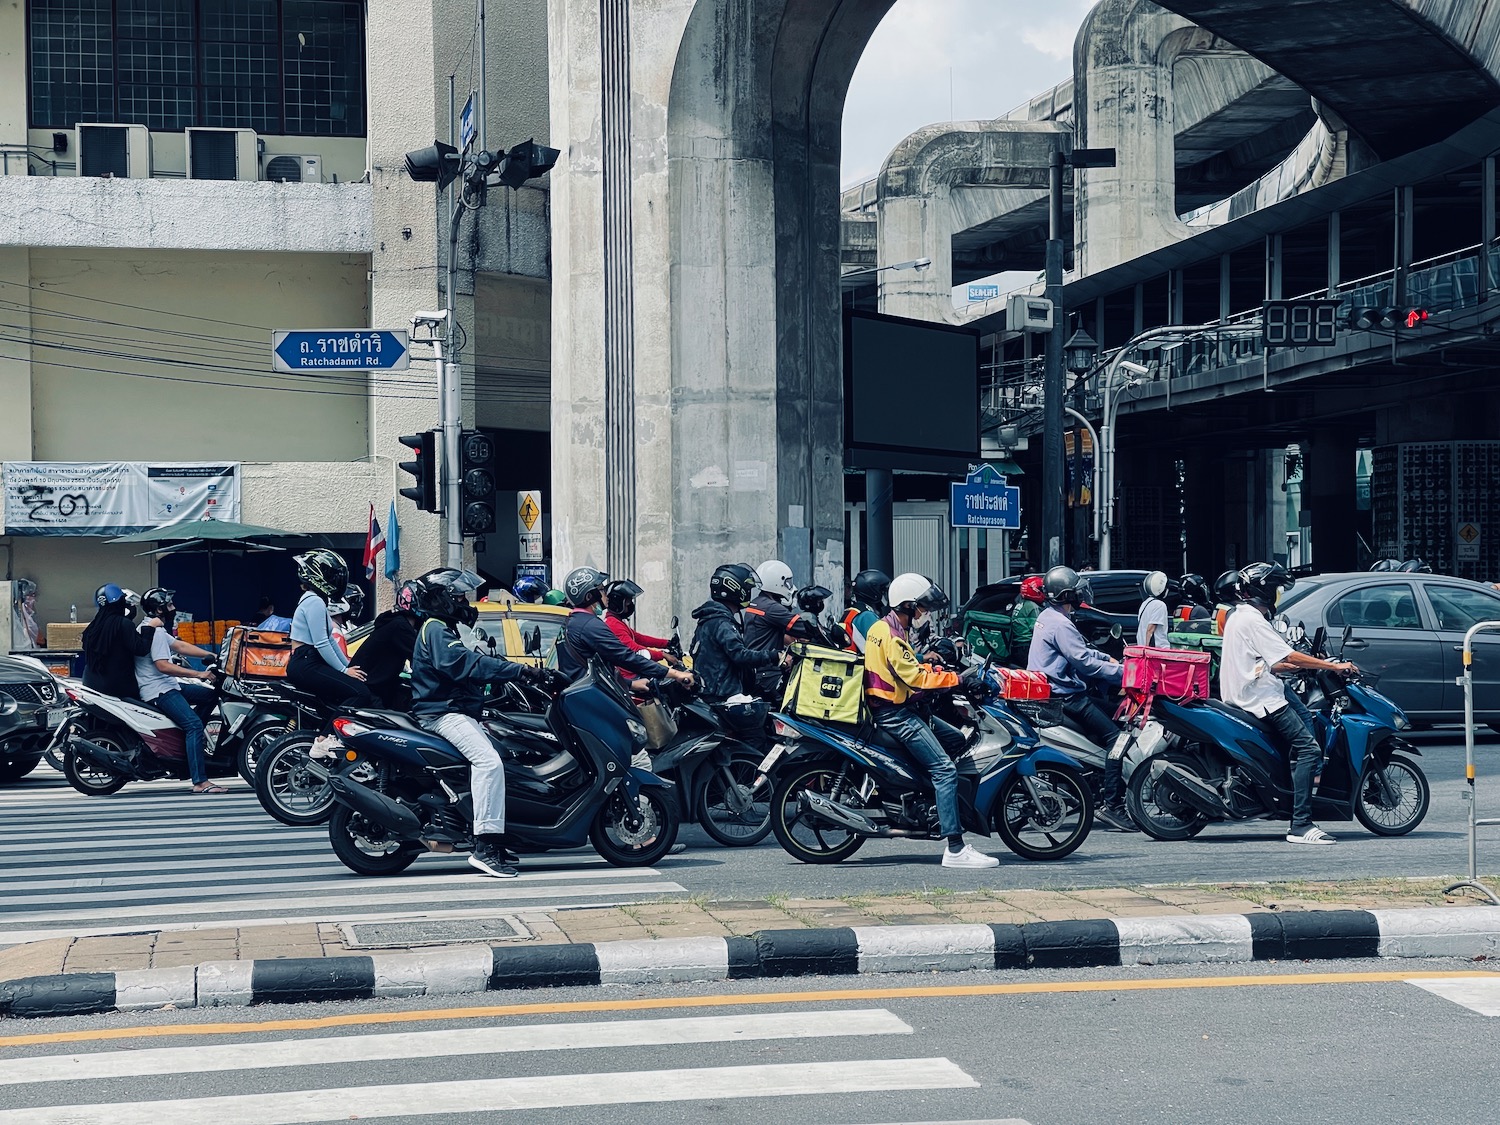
(106, 498)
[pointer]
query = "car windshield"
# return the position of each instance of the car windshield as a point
(1291, 597)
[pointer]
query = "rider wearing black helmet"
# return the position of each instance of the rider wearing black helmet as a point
(586, 636)
(447, 684)
(812, 604)
(619, 601)
(867, 597)
(111, 644)
(1060, 653)
(163, 684)
(317, 665)
(724, 663)
(1253, 653)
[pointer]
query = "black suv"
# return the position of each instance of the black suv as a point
(1117, 601)
(32, 706)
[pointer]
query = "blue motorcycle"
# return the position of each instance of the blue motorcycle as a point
(1224, 764)
(400, 790)
(837, 786)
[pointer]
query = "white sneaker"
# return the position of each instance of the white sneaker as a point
(968, 857)
(1311, 835)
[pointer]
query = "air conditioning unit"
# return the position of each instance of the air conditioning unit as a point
(1028, 314)
(114, 150)
(292, 169)
(222, 154)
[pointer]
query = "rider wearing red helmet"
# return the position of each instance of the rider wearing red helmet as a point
(1023, 617)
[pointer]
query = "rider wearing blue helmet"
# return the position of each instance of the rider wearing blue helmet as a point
(529, 588)
(111, 643)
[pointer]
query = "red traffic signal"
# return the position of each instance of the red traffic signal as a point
(1415, 317)
(423, 470)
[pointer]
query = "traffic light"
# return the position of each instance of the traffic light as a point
(424, 494)
(439, 164)
(477, 471)
(526, 161)
(1388, 317)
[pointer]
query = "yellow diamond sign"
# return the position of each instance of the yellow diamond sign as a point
(529, 512)
(1468, 533)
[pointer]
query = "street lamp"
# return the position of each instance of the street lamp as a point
(1080, 352)
(918, 264)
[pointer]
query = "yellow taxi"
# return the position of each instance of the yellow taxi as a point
(522, 631)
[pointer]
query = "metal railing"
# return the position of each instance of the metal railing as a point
(1466, 681)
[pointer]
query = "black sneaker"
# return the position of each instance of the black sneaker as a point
(497, 862)
(1116, 818)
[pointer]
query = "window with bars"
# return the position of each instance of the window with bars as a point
(276, 66)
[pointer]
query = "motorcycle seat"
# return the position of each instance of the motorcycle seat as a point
(1269, 732)
(523, 721)
(398, 719)
(885, 739)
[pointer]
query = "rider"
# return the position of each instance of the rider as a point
(1253, 652)
(1060, 653)
(317, 665)
(342, 614)
(867, 599)
(529, 588)
(724, 664)
(812, 602)
(769, 620)
(619, 600)
(1023, 616)
(892, 677)
(1151, 630)
(388, 648)
(111, 644)
(160, 683)
(586, 636)
(447, 683)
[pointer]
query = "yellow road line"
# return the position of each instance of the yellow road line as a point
(926, 992)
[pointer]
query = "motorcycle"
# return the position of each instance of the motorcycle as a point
(1228, 765)
(396, 785)
(834, 787)
(284, 785)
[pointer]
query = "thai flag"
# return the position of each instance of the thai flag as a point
(374, 544)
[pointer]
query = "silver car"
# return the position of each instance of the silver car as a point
(1409, 630)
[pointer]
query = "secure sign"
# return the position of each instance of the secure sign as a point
(985, 500)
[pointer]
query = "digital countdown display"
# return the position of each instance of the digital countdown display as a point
(1307, 323)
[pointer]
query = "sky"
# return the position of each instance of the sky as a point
(999, 53)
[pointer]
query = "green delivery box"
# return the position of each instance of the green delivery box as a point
(826, 684)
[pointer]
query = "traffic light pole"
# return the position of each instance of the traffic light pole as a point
(451, 407)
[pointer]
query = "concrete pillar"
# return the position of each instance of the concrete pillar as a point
(15, 356)
(13, 72)
(1329, 493)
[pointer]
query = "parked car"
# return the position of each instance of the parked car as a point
(32, 706)
(1409, 630)
(1117, 599)
(523, 632)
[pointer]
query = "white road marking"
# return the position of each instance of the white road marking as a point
(1478, 993)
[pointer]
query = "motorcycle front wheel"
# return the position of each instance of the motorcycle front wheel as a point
(1160, 812)
(1393, 798)
(802, 835)
(366, 848)
(257, 741)
(727, 808)
(635, 833)
(286, 787)
(1046, 819)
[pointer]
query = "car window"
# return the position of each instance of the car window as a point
(1387, 606)
(1458, 608)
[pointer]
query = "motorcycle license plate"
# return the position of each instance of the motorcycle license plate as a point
(771, 758)
(55, 717)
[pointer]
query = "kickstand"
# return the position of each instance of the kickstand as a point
(1474, 885)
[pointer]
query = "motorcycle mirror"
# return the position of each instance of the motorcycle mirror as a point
(1115, 632)
(534, 642)
(1299, 634)
(1320, 638)
(674, 623)
(1282, 624)
(1344, 640)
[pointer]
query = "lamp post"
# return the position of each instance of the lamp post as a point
(1079, 354)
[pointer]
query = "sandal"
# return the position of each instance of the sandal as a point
(209, 789)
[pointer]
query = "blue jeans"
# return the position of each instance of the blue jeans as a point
(1306, 757)
(926, 744)
(175, 705)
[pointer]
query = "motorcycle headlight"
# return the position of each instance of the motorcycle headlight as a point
(1401, 722)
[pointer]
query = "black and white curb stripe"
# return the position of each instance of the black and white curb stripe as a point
(1182, 940)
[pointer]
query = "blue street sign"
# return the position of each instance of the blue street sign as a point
(467, 130)
(340, 349)
(985, 500)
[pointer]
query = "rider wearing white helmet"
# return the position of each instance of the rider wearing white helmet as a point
(1152, 626)
(771, 621)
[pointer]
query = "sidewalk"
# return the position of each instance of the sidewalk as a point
(697, 918)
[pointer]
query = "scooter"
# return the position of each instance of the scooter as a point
(837, 786)
(399, 790)
(1227, 764)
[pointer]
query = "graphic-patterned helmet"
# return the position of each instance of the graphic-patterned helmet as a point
(323, 572)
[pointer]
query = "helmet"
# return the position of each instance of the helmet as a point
(157, 601)
(734, 585)
(916, 590)
(1065, 586)
(1032, 589)
(338, 608)
(1416, 566)
(776, 579)
(813, 599)
(406, 597)
(323, 572)
(554, 597)
(1195, 589)
(354, 599)
(25, 588)
(1262, 583)
(1386, 564)
(870, 588)
(1154, 585)
(444, 593)
(529, 588)
(619, 597)
(132, 603)
(584, 586)
(108, 594)
(1227, 587)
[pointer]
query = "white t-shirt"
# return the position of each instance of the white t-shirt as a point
(1153, 612)
(148, 677)
(1251, 649)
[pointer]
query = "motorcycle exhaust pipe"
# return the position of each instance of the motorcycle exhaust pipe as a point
(375, 806)
(102, 756)
(1194, 791)
(839, 814)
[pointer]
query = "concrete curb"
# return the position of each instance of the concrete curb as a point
(1309, 935)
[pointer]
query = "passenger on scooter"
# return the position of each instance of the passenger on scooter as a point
(619, 601)
(317, 665)
(723, 663)
(447, 684)
(867, 595)
(1152, 627)
(893, 676)
(111, 644)
(162, 684)
(1023, 617)
(1060, 653)
(585, 635)
(387, 650)
(1252, 655)
(769, 620)
(812, 605)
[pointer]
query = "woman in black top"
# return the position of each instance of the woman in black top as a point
(386, 651)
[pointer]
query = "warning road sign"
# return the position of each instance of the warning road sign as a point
(529, 512)
(1469, 537)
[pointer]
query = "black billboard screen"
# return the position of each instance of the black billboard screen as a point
(911, 394)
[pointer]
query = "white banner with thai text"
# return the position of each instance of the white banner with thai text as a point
(105, 498)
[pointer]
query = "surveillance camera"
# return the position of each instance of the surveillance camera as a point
(1135, 368)
(432, 318)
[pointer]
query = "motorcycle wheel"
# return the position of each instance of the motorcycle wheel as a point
(89, 779)
(256, 742)
(803, 837)
(635, 833)
(1052, 825)
(284, 786)
(54, 756)
(726, 810)
(1401, 778)
(368, 849)
(1161, 814)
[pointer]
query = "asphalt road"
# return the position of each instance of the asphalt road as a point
(1333, 1043)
